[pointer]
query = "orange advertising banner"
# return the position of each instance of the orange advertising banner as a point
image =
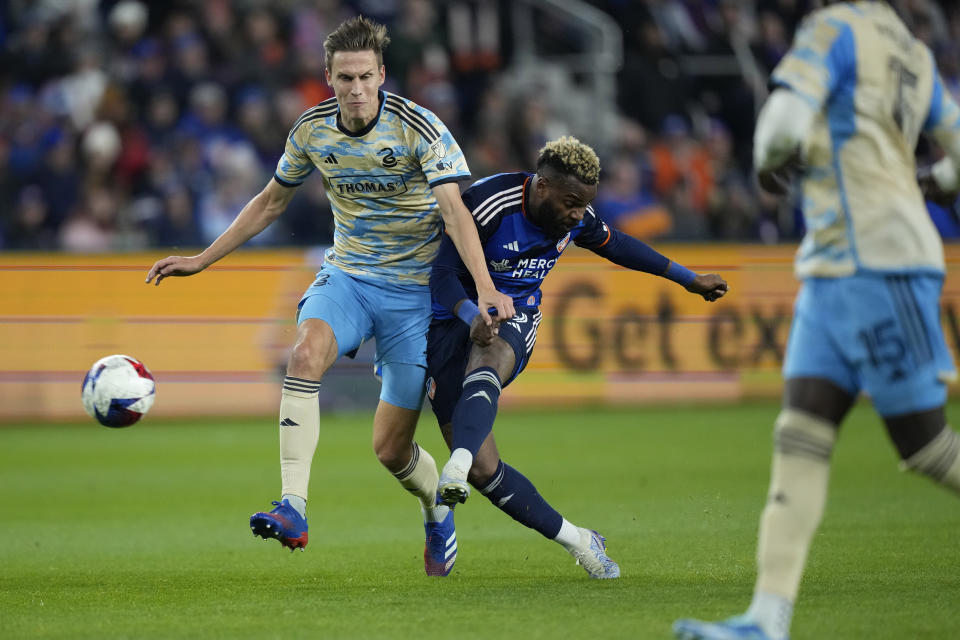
(217, 342)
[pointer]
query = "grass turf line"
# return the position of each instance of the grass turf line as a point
(142, 533)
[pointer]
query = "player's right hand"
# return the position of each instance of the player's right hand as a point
(931, 190)
(492, 298)
(174, 266)
(482, 333)
(777, 180)
(709, 285)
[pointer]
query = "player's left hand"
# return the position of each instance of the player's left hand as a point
(482, 333)
(709, 285)
(492, 298)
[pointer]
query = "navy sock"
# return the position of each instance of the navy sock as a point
(511, 492)
(476, 409)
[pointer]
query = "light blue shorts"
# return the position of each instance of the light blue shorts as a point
(395, 315)
(875, 333)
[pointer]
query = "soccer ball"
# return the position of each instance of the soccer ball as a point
(117, 391)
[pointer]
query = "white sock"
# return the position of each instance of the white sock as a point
(299, 433)
(569, 535)
(773, 613)
(296, 502)
(436, 513)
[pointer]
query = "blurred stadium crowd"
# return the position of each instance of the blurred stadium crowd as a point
(129, 124)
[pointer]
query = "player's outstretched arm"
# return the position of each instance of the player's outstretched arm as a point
(626, 251)
(256, 216)
(462, 230)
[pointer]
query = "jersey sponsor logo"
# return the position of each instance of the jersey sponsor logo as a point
(500, 265)
(330, 159)
(563, 243)
(504, 500)
(512, 246)
(533, 268)
(368, 186)
(443, 166)
(438, 149)
(388, 159)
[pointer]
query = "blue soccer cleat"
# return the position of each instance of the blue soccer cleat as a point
(283, 523)
(737, 628)
(440, 551)
(592, 556)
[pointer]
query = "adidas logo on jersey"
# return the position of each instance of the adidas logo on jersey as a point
(513, 246)
(330, 159)
(287, 422)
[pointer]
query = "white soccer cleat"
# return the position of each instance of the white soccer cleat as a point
(453, 486)
(591, 554)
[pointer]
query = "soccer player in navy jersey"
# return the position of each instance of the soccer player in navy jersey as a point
(525, 221)
(390, 169)
(852, 96)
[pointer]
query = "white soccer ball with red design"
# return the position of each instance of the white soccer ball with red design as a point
(117, 391)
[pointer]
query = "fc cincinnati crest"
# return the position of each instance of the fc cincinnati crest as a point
(438, 148)
(431, 387)
(563, 243)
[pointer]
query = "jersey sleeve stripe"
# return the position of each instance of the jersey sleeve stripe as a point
(489, 202)
(492, 213)
(403, 107)
(286, 183)
(420, 130)
(304, 121)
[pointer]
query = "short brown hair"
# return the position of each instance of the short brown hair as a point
(357, 34)
(571, 157)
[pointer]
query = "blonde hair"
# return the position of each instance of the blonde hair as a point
(357, 34)
(571, 157)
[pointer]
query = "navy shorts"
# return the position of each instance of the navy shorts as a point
(448, 349)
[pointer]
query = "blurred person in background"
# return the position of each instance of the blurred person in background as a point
(391, 169)
(852, 97)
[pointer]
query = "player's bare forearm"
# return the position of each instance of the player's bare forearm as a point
(461, 229)
(710, 286)
(255, 216)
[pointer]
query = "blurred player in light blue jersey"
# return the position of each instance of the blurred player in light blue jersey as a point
(853, 95)
(390, 169)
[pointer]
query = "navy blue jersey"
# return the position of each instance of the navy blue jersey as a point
(517, 252)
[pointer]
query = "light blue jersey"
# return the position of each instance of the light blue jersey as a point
(875, 88)
(867, 317)
(379, 182)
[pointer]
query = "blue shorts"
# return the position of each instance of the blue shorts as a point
(448, 350)
(879, 334)
(358, 309)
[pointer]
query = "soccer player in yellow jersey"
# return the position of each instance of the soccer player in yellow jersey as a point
(390, 169)
(853, 94)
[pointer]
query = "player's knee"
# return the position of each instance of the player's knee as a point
(938, 459)
(804, 434)
(391, 453)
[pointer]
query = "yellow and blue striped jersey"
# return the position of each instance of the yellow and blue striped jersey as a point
(379, 182)
(875, 88)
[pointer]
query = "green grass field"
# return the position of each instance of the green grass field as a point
(142, 533)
